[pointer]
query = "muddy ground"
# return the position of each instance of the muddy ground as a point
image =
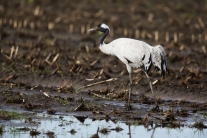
(50, 63)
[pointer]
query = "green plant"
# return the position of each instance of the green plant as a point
(62, 100)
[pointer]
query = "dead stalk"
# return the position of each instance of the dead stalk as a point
(46, 94)
(54, 59)
(137, 34)
(175, 38)
(204, 49)
(94, 62)
(201, 22)
(13, 53)
(167, 36)
(82, 29)
(16, 51)
(125, 32)
(156, 36)
(71, 28)
(97, 95)
(96, 83)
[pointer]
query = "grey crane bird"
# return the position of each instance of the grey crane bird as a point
(134, 54)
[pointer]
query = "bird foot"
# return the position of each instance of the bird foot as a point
(128, 106)
(156, 108)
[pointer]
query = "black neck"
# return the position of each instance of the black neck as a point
(105, 34)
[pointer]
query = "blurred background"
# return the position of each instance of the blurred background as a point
(150, 15)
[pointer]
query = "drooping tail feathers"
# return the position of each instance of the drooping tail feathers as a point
(159, 59)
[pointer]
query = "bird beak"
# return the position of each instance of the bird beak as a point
(93, 29)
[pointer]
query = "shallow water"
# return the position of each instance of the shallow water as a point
(61, 125)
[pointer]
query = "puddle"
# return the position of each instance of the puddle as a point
(63, 126)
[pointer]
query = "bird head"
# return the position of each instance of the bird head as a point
(101, 27)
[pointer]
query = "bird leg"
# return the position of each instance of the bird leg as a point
(130, 78)
(150, 83)
(129, 69)
(130, 89)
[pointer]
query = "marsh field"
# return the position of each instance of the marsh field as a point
(55, 82)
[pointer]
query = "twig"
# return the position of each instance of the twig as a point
(154, 82)
(16, 51)
(46, 94)
(204, 49)
(55, 58)
(46, 60)
(53, 61)
(94, 62)
(79, 107)
(201, 22)
(89, 85)
(11, 53)
(97, 95)
(7, 78)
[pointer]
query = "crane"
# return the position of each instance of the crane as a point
(134, 54)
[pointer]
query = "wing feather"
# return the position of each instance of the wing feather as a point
(135, 53)
(159, 59)
(131, 50)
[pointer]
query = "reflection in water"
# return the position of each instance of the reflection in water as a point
(86, 127)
